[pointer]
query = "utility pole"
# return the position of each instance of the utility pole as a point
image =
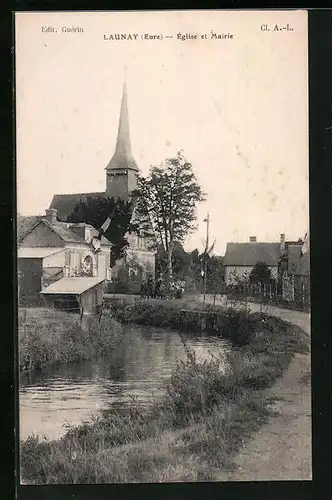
(207, 220)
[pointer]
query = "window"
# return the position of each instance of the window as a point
(87, 266)
(88, 235)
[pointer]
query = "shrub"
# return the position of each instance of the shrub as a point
(195, 388)
(48, 337)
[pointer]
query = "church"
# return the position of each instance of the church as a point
(121, 181)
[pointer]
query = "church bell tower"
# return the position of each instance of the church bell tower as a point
(121, 171)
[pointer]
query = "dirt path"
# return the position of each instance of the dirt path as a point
(281, 449)
(298, 318)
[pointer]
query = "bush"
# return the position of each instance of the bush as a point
(195, 388)
(49, 337)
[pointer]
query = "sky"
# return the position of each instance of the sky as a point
(238, 108)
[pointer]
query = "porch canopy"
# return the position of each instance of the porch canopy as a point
(71, 286)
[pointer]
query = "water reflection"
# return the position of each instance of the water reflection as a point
(75, 392)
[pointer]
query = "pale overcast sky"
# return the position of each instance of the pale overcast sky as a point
(237, 107)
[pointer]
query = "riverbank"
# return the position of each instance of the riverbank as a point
(191, 434)
(48, 336)
(298, 318)
(186, 316)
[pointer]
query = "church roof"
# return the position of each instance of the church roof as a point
(122, 157)
(64, 203)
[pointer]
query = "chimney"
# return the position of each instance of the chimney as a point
(51, 215)
(282, 243)
(253, 239)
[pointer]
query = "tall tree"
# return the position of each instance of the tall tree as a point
(166, 204)
(95, 210)
(181, 262)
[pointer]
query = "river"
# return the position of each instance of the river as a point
(70, 394)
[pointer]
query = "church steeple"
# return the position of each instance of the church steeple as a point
(122, 157)
(122, 169)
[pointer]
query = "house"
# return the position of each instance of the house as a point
(52, 250)
(121, 181)
(295, 274)
(241, 258)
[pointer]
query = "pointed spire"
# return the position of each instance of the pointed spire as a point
(122, 157)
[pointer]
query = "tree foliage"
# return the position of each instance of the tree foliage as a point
(181, 262)
(214, 274)
(188, 266)
(166, 204)
(95, 210)
(260, 274)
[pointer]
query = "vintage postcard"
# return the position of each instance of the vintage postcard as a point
(163, 246)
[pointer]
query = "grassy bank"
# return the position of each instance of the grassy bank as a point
(49, 337)
(191, 434)
(235, 325)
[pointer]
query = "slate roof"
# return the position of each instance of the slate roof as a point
(248, 254)
(63, 230)
(37, 252)
(25, 223)
(72, 285)
(69, 236)
(122, 157)
(64, 203)
(298, 264)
